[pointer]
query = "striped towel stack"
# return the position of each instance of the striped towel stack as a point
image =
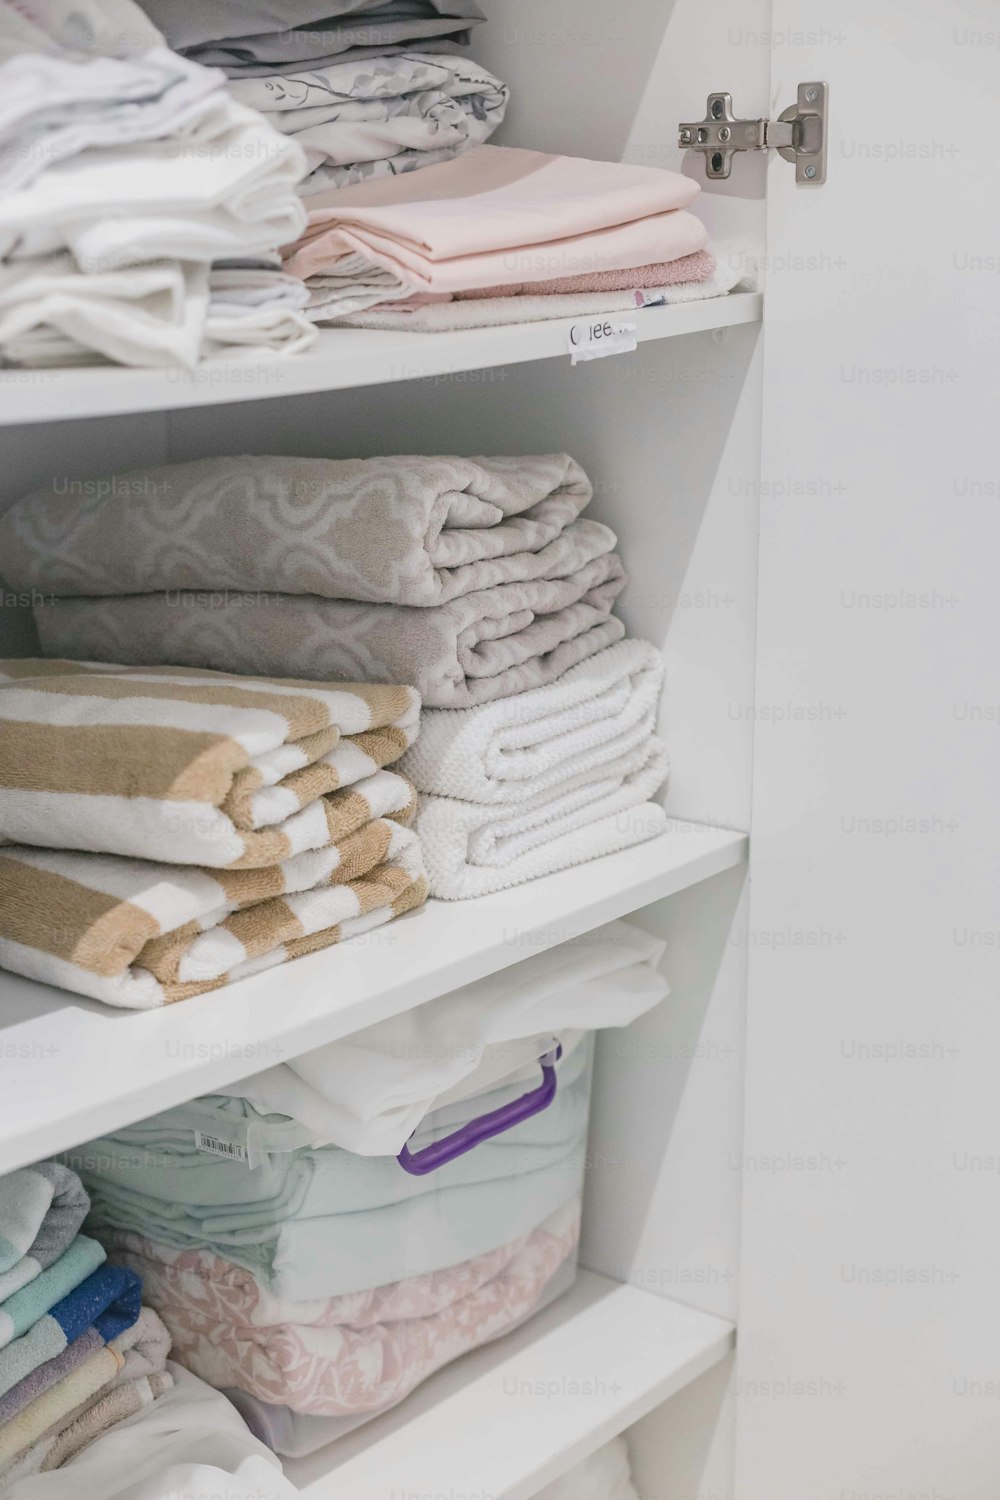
(167, 831)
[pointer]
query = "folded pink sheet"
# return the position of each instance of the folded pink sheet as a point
(697, 267)
(493, 216)
(352, 1354)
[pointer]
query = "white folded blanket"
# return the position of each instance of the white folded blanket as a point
(471, 849)
(52, 108)
(224, 188)
(164, 313)
(546, 741)
(368, 1092)
(87, 28)
(153, 314)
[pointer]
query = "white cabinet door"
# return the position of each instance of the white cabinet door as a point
(870, 1299)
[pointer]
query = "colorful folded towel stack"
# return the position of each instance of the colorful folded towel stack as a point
(478, 580)
(169, 831)
(300, 1265)
(191, 1442)
(130, 180)
(78, 1351)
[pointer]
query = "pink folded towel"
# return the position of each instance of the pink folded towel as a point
(697, 267)
(491, 217)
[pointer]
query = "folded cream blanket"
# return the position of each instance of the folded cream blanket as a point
(378, 117)
(472, 848)
(393, 530)
(474, 649)
(490, 217)
(193, 767)
(138, 935)
(547, 741)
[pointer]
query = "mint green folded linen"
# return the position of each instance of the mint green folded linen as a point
(21, 1311)
(321, 1222)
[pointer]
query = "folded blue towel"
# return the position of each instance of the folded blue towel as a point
(109, 1301)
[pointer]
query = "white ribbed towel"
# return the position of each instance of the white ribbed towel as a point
(551, 739)
(471, 848)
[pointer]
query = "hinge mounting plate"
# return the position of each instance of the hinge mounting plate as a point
(798, 134)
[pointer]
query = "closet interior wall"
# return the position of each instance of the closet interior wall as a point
(670, 435)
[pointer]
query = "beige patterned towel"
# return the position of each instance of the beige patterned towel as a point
(139, 935)
(193, 767)
(472, 650)
(403, 530)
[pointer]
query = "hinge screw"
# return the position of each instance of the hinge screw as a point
(812, 95)
(810, 171)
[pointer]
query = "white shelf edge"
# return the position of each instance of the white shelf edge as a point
(511, 1417)
(72, 1069)
(342, 358)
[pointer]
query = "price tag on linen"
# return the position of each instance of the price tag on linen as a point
(596, 338)
(213, 1146)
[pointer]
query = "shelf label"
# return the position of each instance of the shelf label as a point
(596, 338)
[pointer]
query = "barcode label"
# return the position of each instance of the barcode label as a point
(211, 1143)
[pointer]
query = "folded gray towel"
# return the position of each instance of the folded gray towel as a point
(474, 649)
(399, 530)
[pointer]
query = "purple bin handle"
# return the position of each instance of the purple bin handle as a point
(472, 1134)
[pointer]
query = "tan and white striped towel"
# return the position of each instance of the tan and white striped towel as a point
(188, 766)
(139, 935)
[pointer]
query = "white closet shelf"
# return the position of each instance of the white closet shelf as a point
(514, 1415)
(71, 1069)
(341, 358)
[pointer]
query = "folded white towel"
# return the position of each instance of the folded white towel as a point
(548, 740)
(152, 314)
(471, 849)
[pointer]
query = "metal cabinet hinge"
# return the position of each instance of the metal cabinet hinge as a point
(798, 134)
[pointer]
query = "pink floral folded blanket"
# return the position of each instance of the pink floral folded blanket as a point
(347, 1355)
(490, 217)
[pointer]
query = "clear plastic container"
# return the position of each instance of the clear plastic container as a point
(318, 1286)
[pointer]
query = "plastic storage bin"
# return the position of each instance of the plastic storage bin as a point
(318, 1286)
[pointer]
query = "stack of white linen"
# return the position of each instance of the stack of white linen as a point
(122, 180)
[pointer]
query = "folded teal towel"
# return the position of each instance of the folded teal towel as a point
(41, 1209)
(33, 1301)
